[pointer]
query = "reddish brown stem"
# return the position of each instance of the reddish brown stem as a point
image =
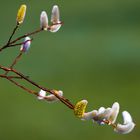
(109, 123)
(11, 77)
(17, 84)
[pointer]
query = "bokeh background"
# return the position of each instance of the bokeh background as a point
(94, 56)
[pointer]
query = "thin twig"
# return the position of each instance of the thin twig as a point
(21, 43)
(17, 84)
(14, 62)
(11, 77)
(28, 34)
(8, 42)
(17, 25)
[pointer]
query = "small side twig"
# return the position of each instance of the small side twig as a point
(28, 34)
(17, 84)
(11, 77)
(14, 30)
(14, 62)
(8, 42)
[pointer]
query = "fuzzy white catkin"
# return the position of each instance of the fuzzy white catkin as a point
(43, 20)
(41, 94)
(89, 115)
(114, 112)
(55, 19)
(127, 126)
(52, 98)
(55, 16)
(26, 44)
(127, 117)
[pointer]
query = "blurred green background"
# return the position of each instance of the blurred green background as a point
(94, 56)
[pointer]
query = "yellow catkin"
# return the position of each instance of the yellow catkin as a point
(21, 14)
(80, 107)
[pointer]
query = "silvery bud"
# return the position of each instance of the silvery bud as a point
(55, 16)
(26, 44)
(44, 20)
(55, 19)
(114, 112)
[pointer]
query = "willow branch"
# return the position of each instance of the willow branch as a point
(62, 99)
(11, 44)
(23, 87)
